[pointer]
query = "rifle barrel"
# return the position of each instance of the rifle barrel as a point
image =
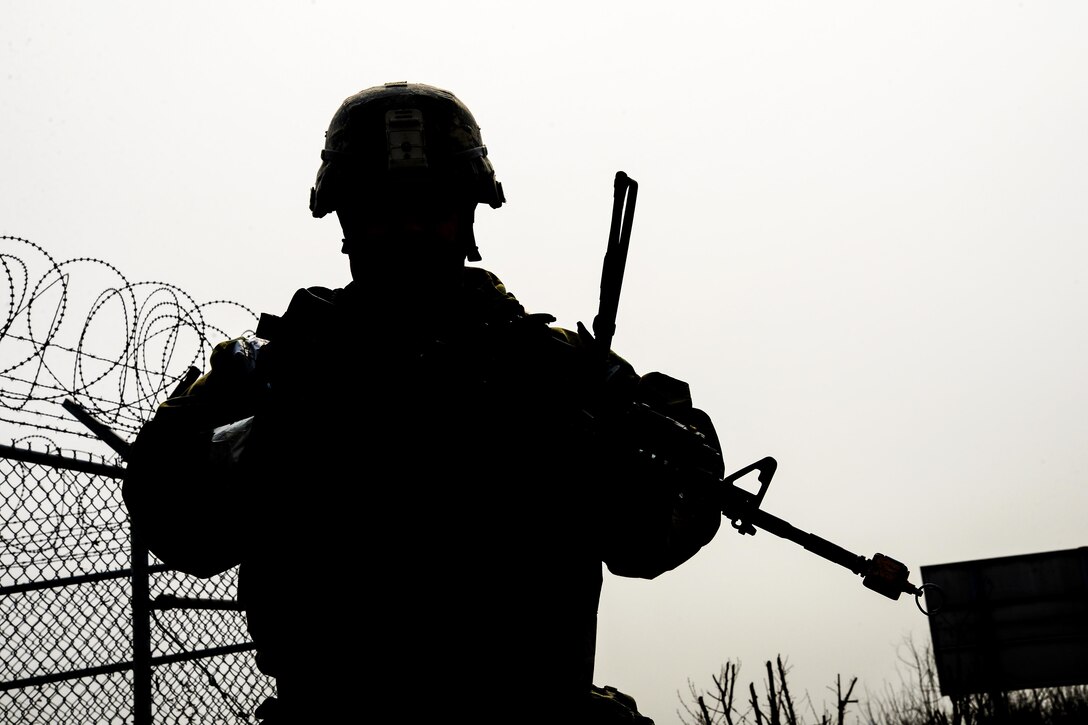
(811, 542)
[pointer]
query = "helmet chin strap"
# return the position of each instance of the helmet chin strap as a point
(472, 252)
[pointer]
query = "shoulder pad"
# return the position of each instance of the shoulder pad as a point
(487, 300)
(305, 306)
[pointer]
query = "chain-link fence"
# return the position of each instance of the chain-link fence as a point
(76, 644)
(91, 630)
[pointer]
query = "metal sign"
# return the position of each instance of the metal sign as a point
(1010, 623)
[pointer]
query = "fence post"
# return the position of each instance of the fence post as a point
(141, 630)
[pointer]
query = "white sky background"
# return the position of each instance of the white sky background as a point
(859, 236)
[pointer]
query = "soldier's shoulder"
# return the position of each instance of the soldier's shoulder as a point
(306, 305)
(486, 281)
(487, 296)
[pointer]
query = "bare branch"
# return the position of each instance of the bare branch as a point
(706, 715)
(791, 715)
(755, 703)
(772, 696)
(843, 700)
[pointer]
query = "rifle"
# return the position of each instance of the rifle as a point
(880, 573)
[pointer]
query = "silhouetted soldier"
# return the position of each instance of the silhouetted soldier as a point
(420, 479)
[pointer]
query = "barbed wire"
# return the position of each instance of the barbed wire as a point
(79, 329)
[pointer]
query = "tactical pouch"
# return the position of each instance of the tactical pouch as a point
(181, 484)
(182, 501)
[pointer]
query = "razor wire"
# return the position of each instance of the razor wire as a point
(79, 329)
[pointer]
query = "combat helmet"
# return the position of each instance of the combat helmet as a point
(403, 138)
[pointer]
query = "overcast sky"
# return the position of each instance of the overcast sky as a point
(860, 237)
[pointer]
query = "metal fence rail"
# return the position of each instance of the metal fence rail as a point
(76, 645)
